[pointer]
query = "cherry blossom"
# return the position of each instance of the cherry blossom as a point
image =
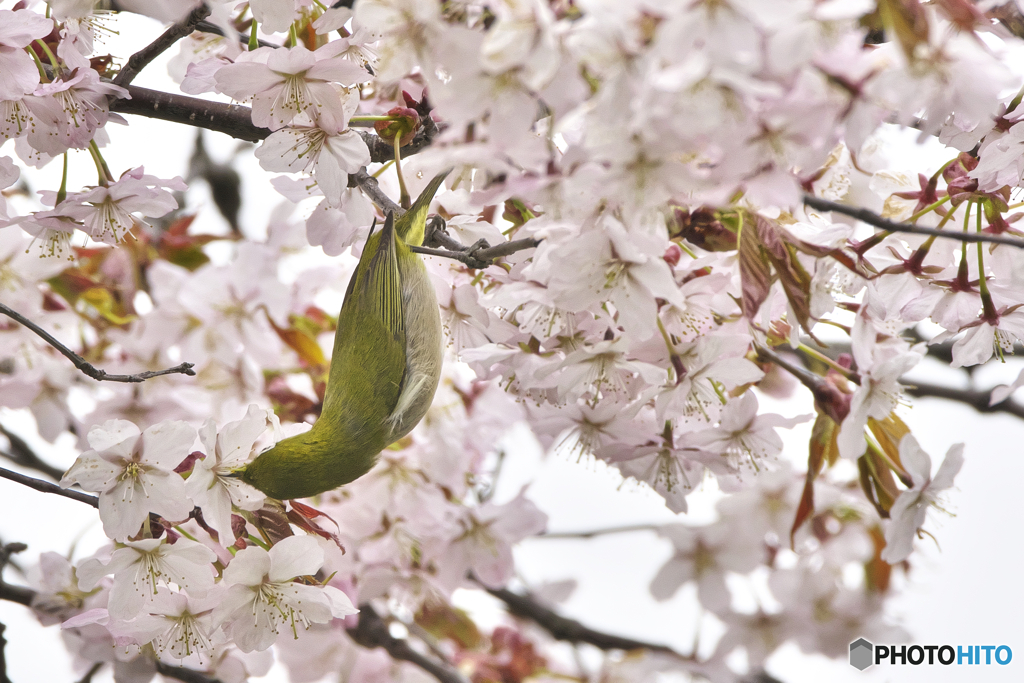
(211, 485)
(262, 596)
(285, 83)
(908, 513)
(140, 567)
(106, 211)
(134, 474)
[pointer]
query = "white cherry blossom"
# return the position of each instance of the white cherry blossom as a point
(908, 513)
(262, 597)
(134, 473)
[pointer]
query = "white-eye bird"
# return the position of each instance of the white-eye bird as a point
(384, 369)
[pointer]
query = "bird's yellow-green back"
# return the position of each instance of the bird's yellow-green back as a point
(371, 365)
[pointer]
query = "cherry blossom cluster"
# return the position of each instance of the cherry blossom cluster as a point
(658, 151)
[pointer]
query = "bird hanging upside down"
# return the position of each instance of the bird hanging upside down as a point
(384, 369)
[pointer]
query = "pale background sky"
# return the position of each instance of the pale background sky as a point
(969, 592)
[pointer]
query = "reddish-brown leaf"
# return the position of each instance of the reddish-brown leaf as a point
(822, 449)
(755, 272)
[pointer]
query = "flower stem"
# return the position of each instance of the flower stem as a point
(62, 193)
(106, 177)
(403, 197)
(987, 306)
(386, 166)
(43, 78)
(254, 41)
(822, 358)
(930, 207)
(49, 55)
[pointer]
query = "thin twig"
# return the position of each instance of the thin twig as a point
(872, 218)
(479, 255)
(570, 630)
(138, 61)
(476, 257)
(22, 454)
(372, 631)
(591, 533)
(47, 487)
(85, 366)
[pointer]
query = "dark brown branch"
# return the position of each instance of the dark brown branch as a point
(47, 487)
(183, 674)
(18, 594)
(85, 366)
(371, 188)
(93, 670)
(236, 120)
(138, 61)
(372, 631)
(480, 255)
(975, 398)
(3, 658)
(20, 453)
(570, 630)
(210, 27)
(874, 219)
(230, 119)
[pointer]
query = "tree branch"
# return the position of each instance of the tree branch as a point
(3, 658)
(592, 533)
(480, 255)
(372, 631)
(93, 670)
(210, 27)
(21, 453)
(874, 219)
(138, 61)
(18, 594)
(47, 487)
(236, 120)
(371, 188)
(975, 398)
(85, 366)
(183, 674)
(570, 630)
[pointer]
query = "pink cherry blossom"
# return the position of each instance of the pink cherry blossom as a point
(134, 473)
(286, 82)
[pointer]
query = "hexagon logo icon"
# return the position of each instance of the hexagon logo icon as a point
(861, 654)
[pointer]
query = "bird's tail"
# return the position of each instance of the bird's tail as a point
(412, 225)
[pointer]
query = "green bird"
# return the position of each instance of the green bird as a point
(384, 369)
